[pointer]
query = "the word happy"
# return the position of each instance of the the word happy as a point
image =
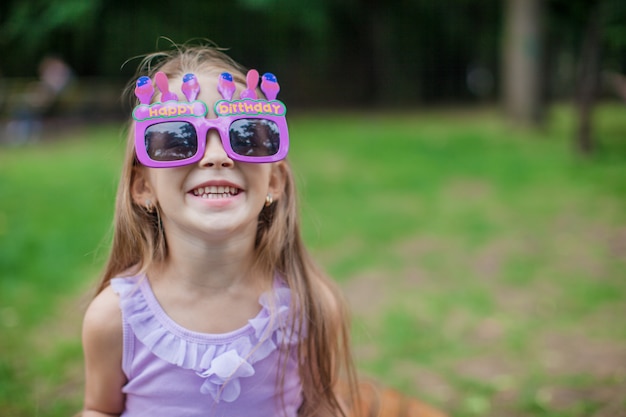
(170, 109)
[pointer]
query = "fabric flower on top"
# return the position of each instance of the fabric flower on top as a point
(222, 377)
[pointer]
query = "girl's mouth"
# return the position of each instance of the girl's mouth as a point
(215, 191)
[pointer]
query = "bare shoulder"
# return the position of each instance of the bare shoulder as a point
(333, 297)
(103, 351)
(103, 318)
(102, 328)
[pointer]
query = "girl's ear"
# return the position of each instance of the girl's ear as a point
(140, 188)
(278, 180)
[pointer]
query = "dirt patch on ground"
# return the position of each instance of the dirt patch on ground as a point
(580, 354)
(369, 293)
(581, 371)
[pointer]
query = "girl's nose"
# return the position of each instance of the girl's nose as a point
(214, 154)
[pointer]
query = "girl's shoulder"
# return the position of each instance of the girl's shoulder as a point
(103, 318)
(102, 347)
(336, 303)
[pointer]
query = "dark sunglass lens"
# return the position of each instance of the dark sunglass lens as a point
(254, 137)
(171, 141)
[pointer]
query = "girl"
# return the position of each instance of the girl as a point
(209, 303)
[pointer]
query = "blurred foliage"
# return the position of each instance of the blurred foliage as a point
(361, 51)
(566, 18)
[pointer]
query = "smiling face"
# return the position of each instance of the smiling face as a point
(215, 197)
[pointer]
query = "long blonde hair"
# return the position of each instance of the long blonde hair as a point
(139, 240)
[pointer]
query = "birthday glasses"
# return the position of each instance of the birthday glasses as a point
(172, 133)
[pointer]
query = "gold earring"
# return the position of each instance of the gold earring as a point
(149, 206)
(268, 200)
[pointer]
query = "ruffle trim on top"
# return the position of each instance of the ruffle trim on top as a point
(221, 359)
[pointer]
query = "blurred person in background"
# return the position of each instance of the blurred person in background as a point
(26, 118)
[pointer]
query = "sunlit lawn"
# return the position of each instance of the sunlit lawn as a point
(484, 264)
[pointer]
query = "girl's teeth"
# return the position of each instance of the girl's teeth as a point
(214, 191)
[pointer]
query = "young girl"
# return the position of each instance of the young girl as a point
(209, 304)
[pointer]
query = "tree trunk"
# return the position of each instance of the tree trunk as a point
(522, 88)
(588, 81)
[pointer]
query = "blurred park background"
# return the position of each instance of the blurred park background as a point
(462, 171)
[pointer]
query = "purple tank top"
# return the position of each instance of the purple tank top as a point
(172, 371)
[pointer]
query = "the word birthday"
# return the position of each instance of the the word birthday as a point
(250, 106)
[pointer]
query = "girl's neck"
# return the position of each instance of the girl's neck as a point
(208, 266)
(209, 288)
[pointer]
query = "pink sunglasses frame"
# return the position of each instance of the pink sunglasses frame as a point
(194, 112)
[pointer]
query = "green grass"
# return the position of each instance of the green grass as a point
(485, 264)
(55, 209)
